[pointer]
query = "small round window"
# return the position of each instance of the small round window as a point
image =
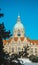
(19, 34)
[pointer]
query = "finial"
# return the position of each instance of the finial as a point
(18, 20)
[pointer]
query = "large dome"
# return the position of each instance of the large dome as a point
(19, 28)
(18, 25)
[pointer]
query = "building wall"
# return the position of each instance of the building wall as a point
(33, 49)
(17, 46)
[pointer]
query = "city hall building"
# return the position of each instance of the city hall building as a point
(18, 41)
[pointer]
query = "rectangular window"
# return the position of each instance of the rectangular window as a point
(31, 50)
(19, 49)
(36, 54)
(35, 50)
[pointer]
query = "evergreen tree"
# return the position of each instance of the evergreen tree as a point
(26, 48)
(3, 35)
(1, 14)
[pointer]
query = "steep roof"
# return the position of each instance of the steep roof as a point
(22, 39)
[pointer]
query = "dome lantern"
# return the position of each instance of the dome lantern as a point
(18, 20)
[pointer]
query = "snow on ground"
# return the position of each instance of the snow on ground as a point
(24, 60)
(15, 61)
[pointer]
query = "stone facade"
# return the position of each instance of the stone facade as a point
(18, 41)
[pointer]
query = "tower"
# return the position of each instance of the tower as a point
(18, 28)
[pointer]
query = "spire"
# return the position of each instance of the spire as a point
(18, 20)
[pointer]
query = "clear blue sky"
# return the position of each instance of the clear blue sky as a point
(28, 10)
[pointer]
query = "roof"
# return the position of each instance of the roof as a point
(7, 41)
(32, 41)
(22, 39)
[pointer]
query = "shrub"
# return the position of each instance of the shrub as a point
(33, 58)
